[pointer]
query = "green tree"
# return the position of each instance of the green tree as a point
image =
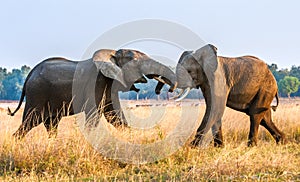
(273, 67)
(288, 85)
(295, 71)
(278, 74)
(282, 73)
(12, 85)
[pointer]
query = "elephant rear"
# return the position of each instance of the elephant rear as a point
(46, 90)
(246, 77)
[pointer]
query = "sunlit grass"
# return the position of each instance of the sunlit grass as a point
(70, 157)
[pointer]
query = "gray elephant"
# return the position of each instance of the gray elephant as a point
(58, 87)
(243, 83)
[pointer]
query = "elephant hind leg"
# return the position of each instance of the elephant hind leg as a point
(51, 124)
(258, 111)
(30, 120)
(270, 126)
(255, 120)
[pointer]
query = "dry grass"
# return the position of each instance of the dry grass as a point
(70, 157)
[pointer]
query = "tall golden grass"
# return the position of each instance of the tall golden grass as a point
(70, 157)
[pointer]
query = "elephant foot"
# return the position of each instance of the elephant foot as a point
(119, 124)
(218, 143)
(19, 134)
(251, 143)
(280, 139)
(195, 142)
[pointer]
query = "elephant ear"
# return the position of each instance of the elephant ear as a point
(104, 61)
(183, 55)
(218, 91)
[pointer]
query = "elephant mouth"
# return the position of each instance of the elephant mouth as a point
(161, 82)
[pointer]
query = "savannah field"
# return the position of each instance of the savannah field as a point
(69, 157)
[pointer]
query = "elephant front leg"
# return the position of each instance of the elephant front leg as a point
(112, 110)
(217, 134)
(207, 123)
(114, 117)
(201, 131)
(197, 140)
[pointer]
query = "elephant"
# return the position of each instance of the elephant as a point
(242, 83)
(58, 87)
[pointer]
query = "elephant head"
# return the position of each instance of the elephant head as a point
(131, 66)
(192, 67)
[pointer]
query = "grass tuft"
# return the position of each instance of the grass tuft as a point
(70, 157)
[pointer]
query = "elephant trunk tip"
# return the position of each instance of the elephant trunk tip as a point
(173, 87)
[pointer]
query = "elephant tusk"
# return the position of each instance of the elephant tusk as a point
(178, 95)
(160, 79)
(184, 94)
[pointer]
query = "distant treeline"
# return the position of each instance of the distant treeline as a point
(288, 80)
(11, 84)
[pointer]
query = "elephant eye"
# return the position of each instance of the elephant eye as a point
(189, 71)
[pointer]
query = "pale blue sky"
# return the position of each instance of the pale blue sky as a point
(34, 30)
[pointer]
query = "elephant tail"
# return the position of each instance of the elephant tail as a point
(277, 102)
(20, 103)
(22, 96)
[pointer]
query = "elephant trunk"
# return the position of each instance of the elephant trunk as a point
(184, 79)
(160, 72)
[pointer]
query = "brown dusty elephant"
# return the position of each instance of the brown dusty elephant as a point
(57, 87)
(243, 83)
